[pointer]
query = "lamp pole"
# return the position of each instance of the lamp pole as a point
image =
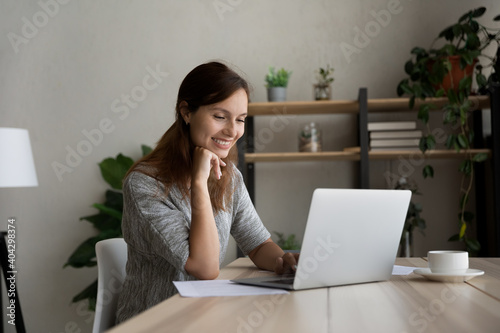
(17, 169)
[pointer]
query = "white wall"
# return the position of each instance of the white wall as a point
(63, 73)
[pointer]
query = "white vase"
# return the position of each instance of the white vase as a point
(276, 94)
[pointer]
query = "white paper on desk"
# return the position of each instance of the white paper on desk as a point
(210, 288)
(402, 270)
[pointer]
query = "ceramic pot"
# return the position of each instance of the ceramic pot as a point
(276, 94)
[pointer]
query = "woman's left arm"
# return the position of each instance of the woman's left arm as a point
(271, 257)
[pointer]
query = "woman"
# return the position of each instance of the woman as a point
(184, 199)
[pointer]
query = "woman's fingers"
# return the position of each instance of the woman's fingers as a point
(207, 160)
(286, 264)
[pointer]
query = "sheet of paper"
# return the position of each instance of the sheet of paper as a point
(210, 288)
(402, 270)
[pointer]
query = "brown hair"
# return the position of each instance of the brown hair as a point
(170, 162)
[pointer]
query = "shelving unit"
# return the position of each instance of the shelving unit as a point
(362, 107)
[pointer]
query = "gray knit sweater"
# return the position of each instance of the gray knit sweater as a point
(156, 229)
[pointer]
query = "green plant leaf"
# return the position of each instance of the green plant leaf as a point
(457, 30)
(450, 141)
(472, 42)
(431, 142)
(474, 26)
(89, 293)
(114, 170)
(447, 34)
(440, 92)
(452, 96)
(454, 238)
(473, 245)
(409, 67)
(146, 150)
(108, 210)
(465, 167)
(103, 221)
(462, 141)
(428, 171)
(114, 200)
(481, 80)
(423, 113)
(478, 12)
(465, 83)
(480, 157)
(411, 102)
(83, 255)
(463, 228)
(419, 51)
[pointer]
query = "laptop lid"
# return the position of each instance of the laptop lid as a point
(351, 236)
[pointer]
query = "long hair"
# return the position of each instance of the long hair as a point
(171, 162)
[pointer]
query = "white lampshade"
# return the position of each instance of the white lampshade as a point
(17, 168)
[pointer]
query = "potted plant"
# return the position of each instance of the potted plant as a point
(276, 83)
(433, 72)
(107, 221)
(289, 244)
(322, 89)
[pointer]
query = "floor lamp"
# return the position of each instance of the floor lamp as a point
(17, 169)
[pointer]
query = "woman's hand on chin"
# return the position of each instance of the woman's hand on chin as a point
(205, 160)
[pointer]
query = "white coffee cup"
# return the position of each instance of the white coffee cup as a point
(448, 262)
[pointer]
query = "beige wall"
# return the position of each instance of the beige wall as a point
(66, 70)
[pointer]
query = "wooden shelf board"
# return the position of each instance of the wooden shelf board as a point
(353, 155)
(349, 106)
(303, 107)
(296, 156)
(401, 104)
(431, 154)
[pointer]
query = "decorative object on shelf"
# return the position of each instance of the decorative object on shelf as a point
(107, 221)
(413, 219)
(288, 243)
(276, 84)
(428, 70)
(322, 89)
(310, 139)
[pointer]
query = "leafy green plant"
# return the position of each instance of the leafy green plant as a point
(277, 78)
(289, 243)
(324, 77)
(428, 69)
(107, 221)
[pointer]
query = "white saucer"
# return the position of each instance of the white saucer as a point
(469, 274)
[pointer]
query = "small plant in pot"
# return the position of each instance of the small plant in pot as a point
(322, 89)
(447, 71)
(276, 83)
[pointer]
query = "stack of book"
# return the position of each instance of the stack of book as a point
(394, 135)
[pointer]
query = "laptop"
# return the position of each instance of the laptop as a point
(351, 236)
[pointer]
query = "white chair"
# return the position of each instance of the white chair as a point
(111, 260)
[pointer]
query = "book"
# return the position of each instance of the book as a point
(396, 134)
(392, 125)
(395, 142)
(382, 149)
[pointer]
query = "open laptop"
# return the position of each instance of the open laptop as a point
(351, 236)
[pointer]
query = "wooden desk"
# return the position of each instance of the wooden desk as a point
(402, 304)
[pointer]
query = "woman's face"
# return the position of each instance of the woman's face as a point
(217, 127)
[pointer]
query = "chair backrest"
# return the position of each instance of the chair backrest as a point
(111, 261)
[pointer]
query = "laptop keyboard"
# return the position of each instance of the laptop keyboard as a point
(281, 281)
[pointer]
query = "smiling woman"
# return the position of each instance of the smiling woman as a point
(184, 199)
